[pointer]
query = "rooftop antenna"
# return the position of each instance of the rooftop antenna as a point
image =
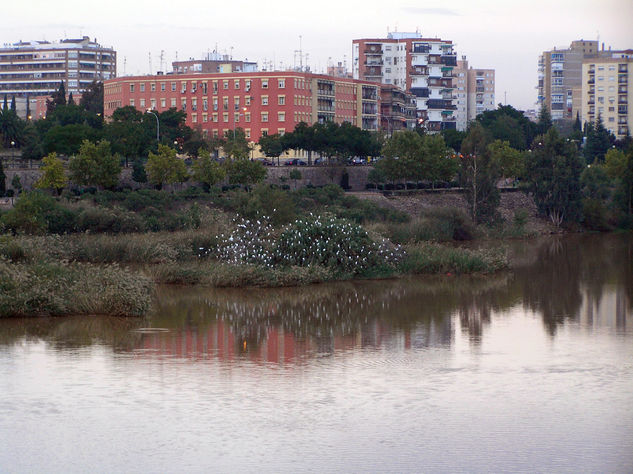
(300, 53)
(162, 59)
(150, 62)
(176, 57)
(124, 65)
(231, 57)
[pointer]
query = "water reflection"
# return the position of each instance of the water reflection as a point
(587, 280)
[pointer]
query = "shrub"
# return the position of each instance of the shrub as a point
(434, 258)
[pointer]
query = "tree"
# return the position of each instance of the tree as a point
(53, 176)
(553, 169)
(619, 167)
(510, 162)
(138, 171)
(71, 101)
(403, 156)
(66, 140)
(544, 122)
(11, 127)
(13, 104)
(598, 141)
(92, 98)
(302, 138)
(16, 183)
(95, 165)
(271, 146)
(207, 171)
(478, 175)
(509, 124)
(453, 138)
(164, 167)
(236, 145)
(245, 172)
(57, 98)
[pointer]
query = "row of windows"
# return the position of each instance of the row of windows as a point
(281, 100)
(281, 84)
(281, 117)
(247, 132)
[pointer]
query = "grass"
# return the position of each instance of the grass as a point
(62, 288)
(433, 258)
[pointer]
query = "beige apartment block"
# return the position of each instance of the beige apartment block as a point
(474, 92)
(607, 91)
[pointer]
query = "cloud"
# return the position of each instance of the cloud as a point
(430, 11)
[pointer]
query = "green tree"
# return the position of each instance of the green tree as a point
(544, 122)
(236, 145)
(164, 167)
(92, 98)
(95, 165)
(402, 156)
(511, 162)
(16, 183)
(453, 138)
(66, 140)
(138, 171)
(245, 172)
(57, 98)
(52, 176)
(11, 127)
(509, 124)
(553, 169)
(479, 174)
(271, 145)
(207, 171)
(598, 141)
(619, 167)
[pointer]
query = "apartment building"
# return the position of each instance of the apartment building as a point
(36, 68)
(212, 63)
(261, 103)
(421, 66)
(397, 109)
(474, 92)
(559, 78)
(607, 90)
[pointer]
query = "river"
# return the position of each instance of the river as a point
(528, 371)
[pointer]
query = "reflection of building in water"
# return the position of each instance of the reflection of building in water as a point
(272, 344)
(609, 309)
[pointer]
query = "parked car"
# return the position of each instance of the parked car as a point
(319, 161)
(265, 162)
(356, 161)
(295, 162)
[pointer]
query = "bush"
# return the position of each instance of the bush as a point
(113, 221)
(595, 215)
(437, 224)
(433, 258)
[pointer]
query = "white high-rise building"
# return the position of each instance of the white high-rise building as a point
(421, 66)
(474, 92)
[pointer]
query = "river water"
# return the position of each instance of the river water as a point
(530, 371)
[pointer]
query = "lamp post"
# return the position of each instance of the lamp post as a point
(149, 111)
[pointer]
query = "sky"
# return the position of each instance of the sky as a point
(506, 35)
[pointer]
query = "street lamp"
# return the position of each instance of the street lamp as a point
(149, 111)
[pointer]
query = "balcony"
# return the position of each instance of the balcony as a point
(622, 68)
(421, 48)
(440, 104)
(449, 60)
(622, 79)
(480, 89)
(420, 91)
(623, 100)
(374, 62)
(591, 102)
(435, 59)
(623, 110)
(419, 71)
(444, 82)
(622, 90)
(591, 81)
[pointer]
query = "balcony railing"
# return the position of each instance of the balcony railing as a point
(449, 60)
(440, 104)
(420, 91)
(622, 68)
(622, 79)
(623, 110)
(421, 49)
(591, 81)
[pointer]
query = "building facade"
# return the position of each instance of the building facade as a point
(38, 67)
(607, 91)
(474, 92)
(261, 103)
(214, 62)
(421, 66)
(559, 78)
(397, 109)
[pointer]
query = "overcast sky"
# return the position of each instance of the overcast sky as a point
(506, 35)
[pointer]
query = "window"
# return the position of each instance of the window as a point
(247, 116)
(143, 87)
(194, 118)
(247, 100)
(205, 118)
(281, 131)
(173, 102)
(264, 83)
(204, 88)
(153, 87)
(281, 83)
(236, 84)
(194, 104)
(264, 116)
(215, 87)
(236, 102)
(142, 103)
(225, 85)
(247, 132)
(264, 100)
(183, 87)
(173, 87)
(131, 87)
(162, 87)
(215, 133)
(264, 132)
(248, 85)
(214, 117)
(132, 102)
(194, 87)
(281, 116)
(205, 104)
(281, 99)
(163, 103)
(225, 103)
(225, 117)
(215, 103)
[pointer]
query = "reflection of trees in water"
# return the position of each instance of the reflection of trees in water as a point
(67, 333)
